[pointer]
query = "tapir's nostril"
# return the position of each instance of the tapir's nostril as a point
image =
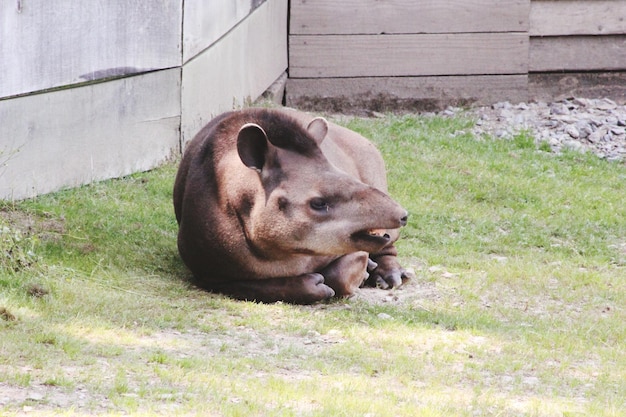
(403, 220)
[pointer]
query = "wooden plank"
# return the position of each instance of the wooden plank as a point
(407, 55)
(407, 16)
(578, 53)
(207, 21)
(55, 43)
(575, 17)
(398, 93)
(558, 86)
(251, 57)
(75, 136)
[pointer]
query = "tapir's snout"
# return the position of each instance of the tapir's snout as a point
(380, 232)
(389, 214)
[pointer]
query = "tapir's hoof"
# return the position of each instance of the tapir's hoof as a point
(314, 289)
(386, 273)
(391, 279)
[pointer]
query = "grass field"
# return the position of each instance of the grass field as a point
(518, 309)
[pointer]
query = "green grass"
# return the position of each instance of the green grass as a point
(518, 308)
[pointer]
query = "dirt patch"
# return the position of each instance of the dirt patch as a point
(411, 291)
(44, 226)
(38, 397)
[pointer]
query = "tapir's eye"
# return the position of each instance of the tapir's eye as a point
(319, 204)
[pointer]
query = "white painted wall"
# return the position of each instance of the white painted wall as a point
(90, 133)
(53, 43)
(207, 21)
(256, 53)
(96, 90)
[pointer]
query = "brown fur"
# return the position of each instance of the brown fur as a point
(274, 205)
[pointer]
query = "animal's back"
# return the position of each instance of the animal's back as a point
(350, 152)
(199, 151)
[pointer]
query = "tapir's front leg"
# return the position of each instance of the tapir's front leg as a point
(346, 274)
(302, 289)
(387, 273)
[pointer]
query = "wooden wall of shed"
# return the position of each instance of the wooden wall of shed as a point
(94, 92)
(431, 53)
(577, 48)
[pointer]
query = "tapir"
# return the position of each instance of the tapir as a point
(278, 205)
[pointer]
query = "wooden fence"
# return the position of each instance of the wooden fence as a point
(430, 53)
(90, 91)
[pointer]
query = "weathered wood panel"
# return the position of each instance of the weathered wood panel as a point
(361, 45)
(558, 86)
(407, 55)
(577, 53)
(55, 43)
(207, 21)
(413, 93)
(238, 68)
(575, 17)
(407, 16)
(75, 136)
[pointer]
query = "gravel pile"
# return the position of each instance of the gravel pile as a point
(584, 125)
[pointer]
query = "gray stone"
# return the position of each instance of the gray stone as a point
(574, 145)
(605, 104)
(567, 119)
(559, 109)
(595, 125)
(581, 101)
(611, 120)
(506, 114)
(572, 131)
(519, 119)
(598, 135)
(502, 105)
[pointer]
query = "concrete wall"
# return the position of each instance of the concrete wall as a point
(90, 91)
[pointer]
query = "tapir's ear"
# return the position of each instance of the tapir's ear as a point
(318, 128)
(252, 146)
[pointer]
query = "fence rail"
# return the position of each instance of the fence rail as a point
(430, 53)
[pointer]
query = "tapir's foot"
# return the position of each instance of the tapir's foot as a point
(385, 272)
(346, 274)
(302, 289)
(315, 289)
